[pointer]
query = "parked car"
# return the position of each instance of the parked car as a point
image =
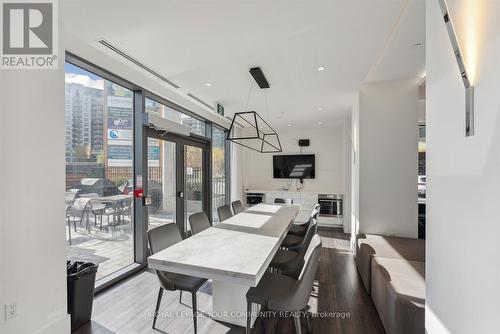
(101, 187)
(154, 189)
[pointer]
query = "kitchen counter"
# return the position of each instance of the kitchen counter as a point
(306, 199)
(291, 191)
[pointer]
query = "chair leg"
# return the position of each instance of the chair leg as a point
(69, 230)
(296, 318)
(180, 297)
(158, 302)
(249, 317)
(87, 223)
(307, 321)
(195, 312)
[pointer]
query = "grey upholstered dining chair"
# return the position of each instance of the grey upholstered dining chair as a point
(283, 293)
(301, 228)
(224, 212)
(290, 262)
(237, 207)
(315, 211)
(292, 241)
(160, 238)
(198, 222)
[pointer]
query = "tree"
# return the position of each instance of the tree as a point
(218, 166)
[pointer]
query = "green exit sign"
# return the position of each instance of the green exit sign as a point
(220, 109)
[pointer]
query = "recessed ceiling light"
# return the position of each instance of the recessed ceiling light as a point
(321, 68)
(208, 84)
(320, 109)
(289, 124)
(319, 123)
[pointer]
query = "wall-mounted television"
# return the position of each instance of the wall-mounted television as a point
(298, 166)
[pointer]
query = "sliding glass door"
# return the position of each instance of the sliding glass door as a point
(194, 182)
(177, 179)
(162, 182)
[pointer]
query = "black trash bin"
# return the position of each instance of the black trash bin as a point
(81, 280)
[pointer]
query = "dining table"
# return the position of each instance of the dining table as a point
(233, 254)
(93, 203)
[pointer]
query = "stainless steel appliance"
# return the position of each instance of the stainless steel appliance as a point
(331, 205)
(254, 198)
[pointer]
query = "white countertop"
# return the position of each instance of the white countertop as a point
(238, 250)
(291, 191)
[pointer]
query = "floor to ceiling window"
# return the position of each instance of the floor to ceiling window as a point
(219, 171)
(102, 224)
(99, 171)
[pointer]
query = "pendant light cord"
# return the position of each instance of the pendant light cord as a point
(267, 107)
(248, 98)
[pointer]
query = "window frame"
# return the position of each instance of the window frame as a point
(182, 110)
(108, 76)
(227, 161)
(139, 168)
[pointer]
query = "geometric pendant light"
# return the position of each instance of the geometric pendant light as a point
(249, 129)
(254, 133)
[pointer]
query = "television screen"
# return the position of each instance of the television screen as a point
(294, 166)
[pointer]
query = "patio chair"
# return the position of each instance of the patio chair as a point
(110, 209)
(98, 208)
(75, 213)
(123, 208)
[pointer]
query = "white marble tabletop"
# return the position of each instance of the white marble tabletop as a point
(238, 250)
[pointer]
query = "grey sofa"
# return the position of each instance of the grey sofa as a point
(393, 272)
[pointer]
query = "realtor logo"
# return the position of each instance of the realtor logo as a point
(29, 35)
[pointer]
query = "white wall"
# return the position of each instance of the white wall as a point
(463, 194)
(32, 211)
(387, 158)
(354, 160)
(348, 151)
(327, 143)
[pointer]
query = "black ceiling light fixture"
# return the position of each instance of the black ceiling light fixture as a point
(259, 77)
(249, 129)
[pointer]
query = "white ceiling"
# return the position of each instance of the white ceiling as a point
(195, 42)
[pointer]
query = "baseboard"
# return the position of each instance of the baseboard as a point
(59, 325)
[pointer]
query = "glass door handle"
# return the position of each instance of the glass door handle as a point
(180, 194)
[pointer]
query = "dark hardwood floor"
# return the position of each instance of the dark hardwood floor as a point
(338, 291)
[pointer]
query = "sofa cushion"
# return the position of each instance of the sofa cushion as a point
(398, 292)
(370, 245)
